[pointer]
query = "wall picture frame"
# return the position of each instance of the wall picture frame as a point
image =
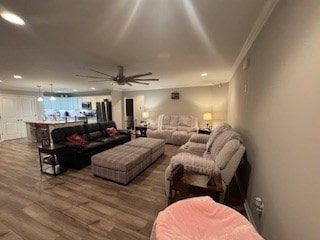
(174, 95)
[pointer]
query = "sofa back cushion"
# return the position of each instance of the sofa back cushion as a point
(93, 131)
(186, 121)
(109, 124)
(215, 133)
(226, 153)
(221, 140)
(61, 134)
(172, 122)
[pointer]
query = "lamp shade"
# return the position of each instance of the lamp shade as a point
(207, 116)
(145, 115)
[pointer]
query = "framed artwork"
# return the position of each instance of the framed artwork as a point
(174, 95)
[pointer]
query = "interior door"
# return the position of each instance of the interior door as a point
(14, 111)
(138, 109)
(10, 117)
(28, 112)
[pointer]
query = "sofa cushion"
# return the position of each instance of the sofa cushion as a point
(186, 129)
(174, 120)
(76, 138)
(221, 140)
(226, 153)
(166, 119)
(185, 120)
(96, 134)
(93, 145)
(195, 164)
(168, 127)
(216, 132)
(199, 138)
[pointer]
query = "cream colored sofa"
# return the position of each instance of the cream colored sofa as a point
(174, 129)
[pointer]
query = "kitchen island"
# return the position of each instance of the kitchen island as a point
(41, 130)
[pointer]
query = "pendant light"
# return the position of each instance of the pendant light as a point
(39, 99)
(52, 98)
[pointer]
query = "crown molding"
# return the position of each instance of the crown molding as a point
(256, 29)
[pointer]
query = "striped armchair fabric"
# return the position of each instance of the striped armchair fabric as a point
(218, 153)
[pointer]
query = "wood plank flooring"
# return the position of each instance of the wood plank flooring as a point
(75, 204)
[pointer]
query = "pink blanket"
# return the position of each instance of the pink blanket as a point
(202, 218)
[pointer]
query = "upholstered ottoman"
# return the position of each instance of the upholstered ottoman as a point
(155, 145)
(122, 163)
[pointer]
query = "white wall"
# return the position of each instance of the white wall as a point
(278, 118)
(194, 101)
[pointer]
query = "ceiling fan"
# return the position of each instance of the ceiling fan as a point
(120, 79)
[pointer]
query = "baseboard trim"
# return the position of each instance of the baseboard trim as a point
(246, 204)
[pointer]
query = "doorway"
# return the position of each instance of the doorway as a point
(129, 113)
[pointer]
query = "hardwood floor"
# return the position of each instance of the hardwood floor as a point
(75, 204)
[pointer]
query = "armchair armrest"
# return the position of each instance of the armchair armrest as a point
(215, 182)
(124, 131)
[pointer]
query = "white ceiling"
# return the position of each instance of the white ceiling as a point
(176, 40)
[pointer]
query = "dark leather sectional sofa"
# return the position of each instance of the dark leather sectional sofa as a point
(78, 156)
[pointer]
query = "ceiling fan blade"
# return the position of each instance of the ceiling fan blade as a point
(86, 76)
(129, 83)
(100, 72)
(106, 80)
(140, 82)
(139, 75)
(147, 79)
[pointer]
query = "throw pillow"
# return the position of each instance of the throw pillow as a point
(76, 138)
(112, 131)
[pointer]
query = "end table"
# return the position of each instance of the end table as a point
(204, 131)
(143, 131)
(51, 159)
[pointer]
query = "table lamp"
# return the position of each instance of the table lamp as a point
(145, 116)
(207, 117)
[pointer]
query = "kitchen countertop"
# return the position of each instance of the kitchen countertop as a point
(54, 122)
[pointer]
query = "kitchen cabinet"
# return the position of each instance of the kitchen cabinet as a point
(56, 104)
(64, 104)
(47, 103)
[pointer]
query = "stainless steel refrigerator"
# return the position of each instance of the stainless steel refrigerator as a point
(104, 111)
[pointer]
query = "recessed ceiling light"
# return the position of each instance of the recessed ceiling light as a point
(204, 74)
(1, 81)
(59, 91)
(93, 88)
(10, 17)
(75, 90)
(17, 76)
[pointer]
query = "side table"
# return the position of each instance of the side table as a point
(51, 159)
(204, 131)
(142, 130)
(183, 188)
